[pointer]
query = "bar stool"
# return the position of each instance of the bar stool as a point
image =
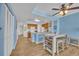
(60, 43)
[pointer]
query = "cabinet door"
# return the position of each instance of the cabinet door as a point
(33, 37)
(40, 38)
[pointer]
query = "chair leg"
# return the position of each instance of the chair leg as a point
(57, 49)
(62, 45)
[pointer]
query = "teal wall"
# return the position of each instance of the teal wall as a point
(1, 30)
(70, 25)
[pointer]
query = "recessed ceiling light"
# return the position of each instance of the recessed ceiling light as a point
(37, 20)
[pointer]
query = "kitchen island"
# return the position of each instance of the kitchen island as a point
(38, 37)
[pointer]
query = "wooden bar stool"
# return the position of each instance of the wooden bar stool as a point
(59, 46)
(60, 43)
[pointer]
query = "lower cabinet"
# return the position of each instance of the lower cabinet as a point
(33, 37)
(37, 38)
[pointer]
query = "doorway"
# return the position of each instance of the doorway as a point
(31, 28)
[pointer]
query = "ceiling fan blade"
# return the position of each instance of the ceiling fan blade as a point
(55, 13)
(55, 9)
(73, 8)
(63, 5)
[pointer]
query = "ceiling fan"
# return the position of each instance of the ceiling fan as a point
(64, 9)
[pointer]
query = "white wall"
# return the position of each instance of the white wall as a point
(19, 28)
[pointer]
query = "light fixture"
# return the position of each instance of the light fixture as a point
(67, 7)
(66, 11)
(61, 13)
(37, 20)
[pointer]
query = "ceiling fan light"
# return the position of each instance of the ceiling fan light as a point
(37, 20)
(66, 11)
(67, 7)
(61, 13)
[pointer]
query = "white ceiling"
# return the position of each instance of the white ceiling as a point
(23, 11)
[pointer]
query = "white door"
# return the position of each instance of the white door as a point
(8, 41)
(10, 34)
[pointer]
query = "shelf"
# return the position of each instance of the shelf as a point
(48, 44)
(48, 41)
